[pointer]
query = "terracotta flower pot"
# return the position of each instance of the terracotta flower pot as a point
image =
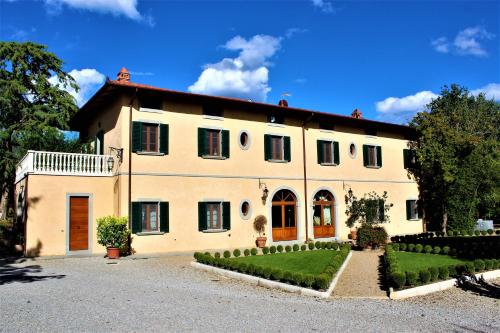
(261, 242)
(113, 253)
(354, 234)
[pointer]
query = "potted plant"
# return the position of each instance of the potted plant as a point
(259, 225)
(113, 233)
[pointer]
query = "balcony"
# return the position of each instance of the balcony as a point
(70, 164)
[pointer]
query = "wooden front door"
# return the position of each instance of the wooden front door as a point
(323, 218)
(78, 223)
(284, 216)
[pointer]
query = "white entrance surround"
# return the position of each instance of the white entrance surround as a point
(335, 213)
(270, 214)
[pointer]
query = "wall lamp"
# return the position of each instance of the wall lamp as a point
(265, 191)
(118, 152)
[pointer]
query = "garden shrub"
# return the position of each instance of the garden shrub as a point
(272, 249)
(446, 249)
(496, 263)
(323, 245)
(266, 273)
(450, 233)
(280, 248)
(402, 246)
(253, 251)
(246, 252)
(497, 232)
(207, 253)
(479, 265)
(227, 254)
(335, 246)
(276, 274)
(427, 249)
(488, 264)
(303, 247)
(265, 250)
(477, 232)
(298, 278)
(490, 231)
(243, 267)
(217, 254)
(411, 247)
(369, 235)
(452, 270)
(398, 280)
(322, 281)
(469, 267)
(411, 278)
(425, 276)
(310, 246)
(295, 247)
(419, 248)
(317, 245)
(444, 273)
(287, 277)
(436, 250)
(483, 233)
(308, 280)
(434, 273)
(329, 245)
(288, 248)
(395, 246)
(236, 253)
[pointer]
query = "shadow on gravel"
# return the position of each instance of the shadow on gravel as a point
(10, 273)
(479, 286)
(382, 281)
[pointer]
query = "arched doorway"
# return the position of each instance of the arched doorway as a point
(323, 216)
(284, 216)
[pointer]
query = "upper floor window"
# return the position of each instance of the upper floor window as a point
(372, 156)
(149, 137)
(411, 210)
(328, 152)
(276, 118)
(213, 110)
(409, 158)
(277, 148)
(213, 143)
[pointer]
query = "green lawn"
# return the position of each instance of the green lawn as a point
(411, 261)
(306, 262)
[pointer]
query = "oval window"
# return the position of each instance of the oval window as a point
(352, 150)
(244, 140)
(245, 210)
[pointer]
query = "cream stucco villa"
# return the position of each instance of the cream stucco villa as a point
(192, 172)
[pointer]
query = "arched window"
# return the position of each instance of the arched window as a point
(323, 218)
(284, 216)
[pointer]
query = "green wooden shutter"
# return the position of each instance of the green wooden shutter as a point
(267, 147)
(136, 217)
(163, 138)
(136, 136)
(226, 215)
(406, 158)
(365, 155)
(225, 143)
(286, 147)
(321, 157)
(381, 210)
(164, 216)
(408, 209)
(201, 142)
(336, 153)
(202, 216)
(379, 156)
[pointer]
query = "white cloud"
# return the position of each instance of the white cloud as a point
(441, 45)
(87, 79)
(491, 91)
(127, 8)
(293, 31)
(245, 76)
(325, 6)
(466, 42)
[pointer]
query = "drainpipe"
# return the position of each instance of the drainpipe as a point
(25, 217)
(130, 159)
(305, 171)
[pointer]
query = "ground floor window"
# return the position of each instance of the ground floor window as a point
(214, 218)
(150, 217)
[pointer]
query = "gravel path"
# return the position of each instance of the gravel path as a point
(166, 294)
(361, 276)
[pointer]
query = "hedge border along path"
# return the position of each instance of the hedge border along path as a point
(258, 281)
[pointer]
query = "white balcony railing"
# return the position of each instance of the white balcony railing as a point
(54, 163)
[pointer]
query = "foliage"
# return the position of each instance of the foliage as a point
(253, 251)
(371, 209)
(369, 235)
(288, 248)
(425, 276)
(296, 247)
(265, 250)
(272, 249)
(280, 248)
(227, 254)
(259, 224)
(246, 252)
(458, 165)
(112, 231)
(236, 253)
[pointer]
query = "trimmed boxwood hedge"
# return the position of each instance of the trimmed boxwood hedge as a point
(318, 282)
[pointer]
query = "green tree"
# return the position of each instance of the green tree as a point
(32, 111)
(458, 164)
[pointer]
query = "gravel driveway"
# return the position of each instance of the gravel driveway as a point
(166, 294)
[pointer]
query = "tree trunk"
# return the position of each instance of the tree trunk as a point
(445, 219)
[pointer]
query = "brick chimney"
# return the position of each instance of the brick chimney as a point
(357, 114)
(123, 75)
(283, 103)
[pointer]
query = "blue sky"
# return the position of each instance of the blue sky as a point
(386, 58)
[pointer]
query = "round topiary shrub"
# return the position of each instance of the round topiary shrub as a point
(280, 248)
(419, 248)
(444, 273)
(434, 273)
(296, 247)
(490, 231)
(288, 248)
(477, 232)
(277, 274)
(272, 249)
(287, 277)
(217, 254)
(395, 246)
(425, 276)
(329, 245)
(479, 265)
(427, 249)
(411, 247)
(436, 250)
(483, 233)
(297, 278)
(253, 251)
(398, 280)
(266, 273)
(303, 247)
(227, 254)
(310, 245)
(317, 245)
(237, 253)
(469, 267)
(207, 254)
(335, 246)
(323, 245)
(402, 246)
(450, 233)
(411, 278)
(495, 263)
(497, 232)
(488, 264)
(308, 280)
(246, 252)
(452, 270)
(265, 250)
(322, 281)
(446, 249)
(251, 269)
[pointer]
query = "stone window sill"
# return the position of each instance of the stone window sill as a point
(278, 161)
(149, 233)
(213, 231)
(150, 153)
(328, 164)
(206, 116)
(209, 157)
(372, 167)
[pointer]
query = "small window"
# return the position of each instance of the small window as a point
(151, 102)
(245, 210)
(150, 217)
(276, 118)
(411, 210)
(213, 142)
(149, 137)
(212, 110)
(244, 140)
(352, 150)
(214, 216)
(327, 126)
(277, 148)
